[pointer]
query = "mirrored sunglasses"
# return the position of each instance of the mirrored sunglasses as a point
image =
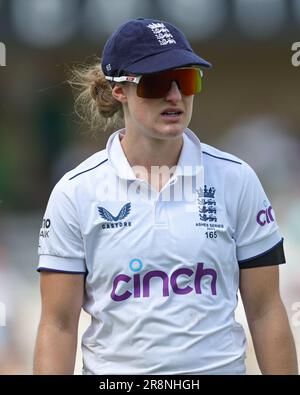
(157, 85)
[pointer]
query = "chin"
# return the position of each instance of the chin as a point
(172, 131)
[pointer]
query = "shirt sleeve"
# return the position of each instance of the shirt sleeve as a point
(60, 241)
(257, 232)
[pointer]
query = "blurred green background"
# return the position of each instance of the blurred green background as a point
(249, 107)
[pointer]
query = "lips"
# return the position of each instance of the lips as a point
(172, 112)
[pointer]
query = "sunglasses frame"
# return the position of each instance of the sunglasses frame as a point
(125, 78)
(136, 79)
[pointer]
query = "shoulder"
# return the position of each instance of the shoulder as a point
(216, 160)
(85, 173)
(216, 156)
(87, 167)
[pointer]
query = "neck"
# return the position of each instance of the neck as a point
(148, 152)
(148, 155)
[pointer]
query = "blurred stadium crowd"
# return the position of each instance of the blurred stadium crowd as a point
(249, 107)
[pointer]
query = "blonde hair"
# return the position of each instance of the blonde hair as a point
(94, 102)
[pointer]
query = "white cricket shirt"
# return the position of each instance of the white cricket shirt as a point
(162, 272)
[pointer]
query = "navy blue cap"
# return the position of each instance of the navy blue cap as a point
(143, 46)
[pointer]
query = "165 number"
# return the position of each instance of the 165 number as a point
(211, 235)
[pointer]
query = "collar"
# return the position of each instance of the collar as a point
(189, 163)
(117, 157)
(190, 159)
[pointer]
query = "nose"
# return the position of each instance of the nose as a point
(174, 93)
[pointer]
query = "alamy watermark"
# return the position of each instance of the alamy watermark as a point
(172, 186)
(296, 55)
(2, 314)
(2, 54)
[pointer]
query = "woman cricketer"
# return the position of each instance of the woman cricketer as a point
(154, 235)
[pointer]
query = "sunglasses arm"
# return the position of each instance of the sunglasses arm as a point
(125, 78)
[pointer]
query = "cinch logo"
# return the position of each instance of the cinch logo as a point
(139, 285)
(265, 216)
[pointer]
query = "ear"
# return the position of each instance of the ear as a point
(119, 93)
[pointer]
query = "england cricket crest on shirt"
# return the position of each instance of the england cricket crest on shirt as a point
(207, 209)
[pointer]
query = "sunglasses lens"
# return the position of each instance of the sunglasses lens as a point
(154, 86)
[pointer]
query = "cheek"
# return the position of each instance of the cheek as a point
(140, 109)
(189, 105)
